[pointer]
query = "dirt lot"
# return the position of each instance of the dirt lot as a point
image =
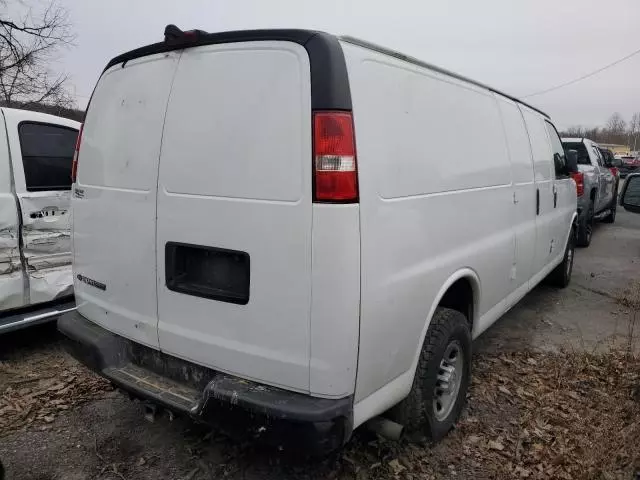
(548, 400)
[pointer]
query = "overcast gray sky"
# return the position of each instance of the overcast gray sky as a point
(514, 45)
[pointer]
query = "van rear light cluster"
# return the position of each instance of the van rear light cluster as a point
(334, 158)
(615, 171)
(74, 165)
(578, 177)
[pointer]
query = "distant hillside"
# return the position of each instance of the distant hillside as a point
(71, 113)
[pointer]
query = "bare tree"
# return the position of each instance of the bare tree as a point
(616, 124)
(29, 43)
(575, 131)
(596, 134)
(616, 129)
(634, 131)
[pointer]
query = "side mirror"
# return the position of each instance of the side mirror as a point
(630, 195)
(571, 157)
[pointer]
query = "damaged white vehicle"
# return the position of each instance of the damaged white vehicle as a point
(36, 154)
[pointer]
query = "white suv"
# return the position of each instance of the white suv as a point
(273, 223)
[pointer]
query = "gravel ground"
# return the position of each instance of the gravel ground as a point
(548, 400)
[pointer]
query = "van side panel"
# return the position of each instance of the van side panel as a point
(335, 303)
(524, 190)
(542, 165)
(114, 201)
(566, 202)
(235, 174)
(435, 197)
(12, 292)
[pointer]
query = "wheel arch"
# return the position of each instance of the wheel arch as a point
(460, 277)
(461, 295)
(398, 389)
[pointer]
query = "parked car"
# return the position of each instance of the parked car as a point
(611, 162)
(628, 165)
(36, 152)
(596, 187)
(259, 234)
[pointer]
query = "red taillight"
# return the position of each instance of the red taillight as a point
(579, 179)
(74, 165)
(614, 170)
(334, 158)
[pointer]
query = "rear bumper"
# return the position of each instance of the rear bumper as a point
(238, 406)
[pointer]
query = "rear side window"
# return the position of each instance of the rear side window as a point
(607, 156)
(581, 149)
(598, 156)
(47, 154)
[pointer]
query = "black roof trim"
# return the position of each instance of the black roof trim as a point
(415, 61)
(329, 80)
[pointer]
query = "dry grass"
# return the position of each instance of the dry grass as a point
(565, 415)
(568, 415)
(34, 389)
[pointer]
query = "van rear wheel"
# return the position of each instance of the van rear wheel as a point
(441, 381)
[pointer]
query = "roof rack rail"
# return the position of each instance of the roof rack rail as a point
(415, 61)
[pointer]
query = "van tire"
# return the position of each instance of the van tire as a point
(417, 412)
(585, 228)
(561, 275)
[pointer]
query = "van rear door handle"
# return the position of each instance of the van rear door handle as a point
(537, 201)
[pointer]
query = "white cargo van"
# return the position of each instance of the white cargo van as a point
(274, 223)
(36, 152)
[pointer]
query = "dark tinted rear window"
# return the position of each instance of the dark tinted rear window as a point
(47, 154)
(581, 148)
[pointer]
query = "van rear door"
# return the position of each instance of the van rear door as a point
(114, 200)
(234, 212)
